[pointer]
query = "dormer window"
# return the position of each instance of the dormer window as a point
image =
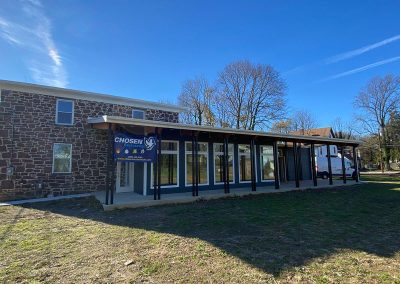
(138, 114)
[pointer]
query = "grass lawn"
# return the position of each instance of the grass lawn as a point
(321, 236)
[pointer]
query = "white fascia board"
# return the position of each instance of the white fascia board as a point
(83, 95)
(171, 125)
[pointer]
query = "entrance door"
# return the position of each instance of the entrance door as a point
(125, 174)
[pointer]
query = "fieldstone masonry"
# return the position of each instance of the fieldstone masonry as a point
(28, 131)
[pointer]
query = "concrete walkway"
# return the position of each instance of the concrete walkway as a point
(46, 199)
(134, 200)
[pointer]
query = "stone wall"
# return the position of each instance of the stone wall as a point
(28, 132)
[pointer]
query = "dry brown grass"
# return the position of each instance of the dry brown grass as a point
(321, 236)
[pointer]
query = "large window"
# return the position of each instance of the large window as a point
(65, 112)
(169, 163)
(267, 162)
(203, 162)
(219, 160)
(62, 156)
(138, 113)
(244, 163)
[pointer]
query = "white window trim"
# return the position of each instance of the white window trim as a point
(247, 154)
(208, 163)
(261, 154)
(70, 160)
(139, 110)
(73, 111)
(233, 161)
(177, 171)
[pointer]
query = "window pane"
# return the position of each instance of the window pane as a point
(267, 167)
(202, 146)
(219, 168)
(62, 158)
(63, 117)
(64, 106)
(169, 169)
(267, 150)
(170, 146)
(220, 148)
(138, 114)
(245, 168)
(203, 171)
(244, 149)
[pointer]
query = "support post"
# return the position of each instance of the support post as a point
(226, 159)
(193, 167)
(155, 170)
(276, 164)
(328, 151)
(224, 156)
(355, 164)
(343, 164)
(252, 166)
(159, 166)
(313, 165)
(296, 168)
(196, 157)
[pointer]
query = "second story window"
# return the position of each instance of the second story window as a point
(65, 112)
(138, 113)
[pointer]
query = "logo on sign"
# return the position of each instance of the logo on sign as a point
(149, 143)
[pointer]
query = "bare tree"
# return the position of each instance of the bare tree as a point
(254, 95)
(342, 129)
(303, 121)
(197, 97)
(376, 102)
(282, 126)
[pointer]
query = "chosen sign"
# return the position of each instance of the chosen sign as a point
(134, 148)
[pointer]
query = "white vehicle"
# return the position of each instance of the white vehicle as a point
(336, 164)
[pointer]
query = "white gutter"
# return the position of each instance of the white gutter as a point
(170, 125)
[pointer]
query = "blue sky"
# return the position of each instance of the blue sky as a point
(325, 50)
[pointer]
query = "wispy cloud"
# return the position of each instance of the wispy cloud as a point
(359, 51)
(363, 68)
(32, 32)
(346, 55)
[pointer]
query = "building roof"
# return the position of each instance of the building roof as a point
(170, 125)
(323, 132)
(90, 96)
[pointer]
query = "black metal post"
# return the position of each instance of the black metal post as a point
(159, 166)
(296, 168)
(155, 170)
(355, 164)
(252, 166)
(328, 151)
(196, 157)
(227, 164)
(276, 164)
(313, 165)
(193, 167)
(113, 168)
(343, 164)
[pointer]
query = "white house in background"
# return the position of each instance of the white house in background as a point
(320, 151)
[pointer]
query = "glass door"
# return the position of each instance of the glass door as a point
(125, 177)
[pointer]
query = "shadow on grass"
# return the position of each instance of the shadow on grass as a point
(273, 232)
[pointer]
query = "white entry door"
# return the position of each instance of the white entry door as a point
(125, 173)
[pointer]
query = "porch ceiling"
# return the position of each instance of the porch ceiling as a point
(103, 121)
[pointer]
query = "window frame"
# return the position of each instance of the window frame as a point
(249, 154)
(202, 153)
(72, 111)
(261, 166)
(177, 170)
(138, 110)
(233, 161)
(70, 159)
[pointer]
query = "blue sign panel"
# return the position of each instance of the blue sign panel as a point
(134, 148)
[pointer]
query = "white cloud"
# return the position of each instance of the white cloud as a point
(32, 33)
(363, 68)
(359, 51)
